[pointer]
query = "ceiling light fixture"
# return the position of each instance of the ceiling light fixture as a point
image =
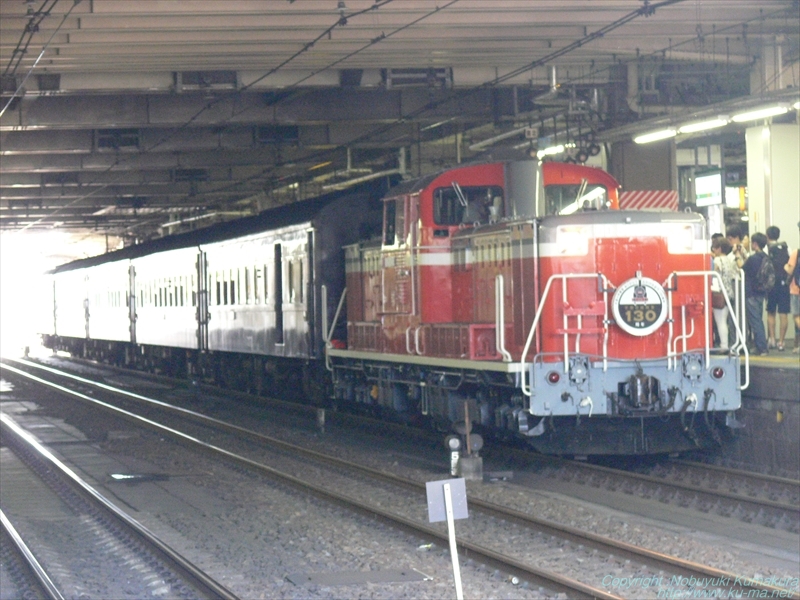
(761, 113)
(703, 125)
(552, 150)
(654, 136)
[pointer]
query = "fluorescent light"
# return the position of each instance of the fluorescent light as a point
(761, 113)
(796, 105)
(655, 136)
(550, 151)
(703, 125)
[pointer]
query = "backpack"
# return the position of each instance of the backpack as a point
(765, 278)
(779, 254)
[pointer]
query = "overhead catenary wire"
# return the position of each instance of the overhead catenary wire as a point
(646, 10)
(26, 36)
(38, 58)
(342, 21)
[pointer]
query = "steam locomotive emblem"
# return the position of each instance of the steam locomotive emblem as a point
(639, 294)
(639, 306)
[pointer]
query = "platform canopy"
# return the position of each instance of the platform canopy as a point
(141, 119)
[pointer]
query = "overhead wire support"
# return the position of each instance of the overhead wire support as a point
(35, 19)
(378, 4)
(38, 58)
(646, 10)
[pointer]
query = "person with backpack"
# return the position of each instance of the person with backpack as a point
(759, 279)
(792, 269)
(778, 297)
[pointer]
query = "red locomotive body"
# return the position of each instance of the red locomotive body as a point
(518, 295)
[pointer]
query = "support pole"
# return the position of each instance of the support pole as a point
(451, 532)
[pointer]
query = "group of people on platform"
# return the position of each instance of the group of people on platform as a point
(777, 281)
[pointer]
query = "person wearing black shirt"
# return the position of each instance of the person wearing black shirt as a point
(754, 299)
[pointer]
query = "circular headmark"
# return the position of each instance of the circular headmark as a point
(639, 306)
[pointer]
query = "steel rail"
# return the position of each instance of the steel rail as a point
(787, 481)
(554, 581)
(606, 544)
(687, 487)
(197, 578)
(36, 570)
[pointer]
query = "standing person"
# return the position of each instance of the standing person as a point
(778, 297)
(725, 265)
(756, 289)
(740, 253)
(792, 269)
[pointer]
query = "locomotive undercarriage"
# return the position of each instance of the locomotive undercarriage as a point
(640, 408)
(635, 408)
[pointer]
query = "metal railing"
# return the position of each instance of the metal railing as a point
(526, 389)
(737, 318)
(672, 341)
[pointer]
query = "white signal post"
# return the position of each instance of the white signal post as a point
(451, 532)
(454, 494)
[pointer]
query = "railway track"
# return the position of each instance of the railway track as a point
(26, 576)
(777, 489)
(749, 497)
(548, 534)
(687, 486)
(100, 530)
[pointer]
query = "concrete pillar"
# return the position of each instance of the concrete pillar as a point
(773, 179)
(773, 182)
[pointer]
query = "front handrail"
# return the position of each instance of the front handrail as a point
(500, 318)
(526, 389)
(740, 336)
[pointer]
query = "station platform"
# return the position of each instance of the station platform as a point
(769, 442)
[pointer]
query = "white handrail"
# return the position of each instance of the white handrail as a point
(500, 318)
(740, 331)
(526, 389)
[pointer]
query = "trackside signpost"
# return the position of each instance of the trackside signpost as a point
(447, 501)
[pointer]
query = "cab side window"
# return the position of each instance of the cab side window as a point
(389, 223)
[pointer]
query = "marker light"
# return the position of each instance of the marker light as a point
(553, 377)
(762, 113)
(654, 136)
(453, 443)
(718, 372)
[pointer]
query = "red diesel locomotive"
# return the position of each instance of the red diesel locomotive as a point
(521, 297)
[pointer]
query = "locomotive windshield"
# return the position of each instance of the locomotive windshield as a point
(469, 204)
(567, 199)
